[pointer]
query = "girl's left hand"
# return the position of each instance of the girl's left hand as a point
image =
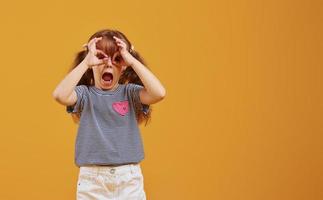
(127, 57)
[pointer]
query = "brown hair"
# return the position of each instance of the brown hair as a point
(128, 76)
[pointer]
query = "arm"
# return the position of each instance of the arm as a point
(64, 92)
(153, 90)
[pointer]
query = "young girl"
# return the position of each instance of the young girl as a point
(108, 91)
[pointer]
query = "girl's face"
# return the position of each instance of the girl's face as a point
(106, 76)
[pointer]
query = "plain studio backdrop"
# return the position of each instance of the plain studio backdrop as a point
(242, 119)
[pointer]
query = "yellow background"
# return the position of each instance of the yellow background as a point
(242, 119)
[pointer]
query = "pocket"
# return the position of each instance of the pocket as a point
(121, 107)
(141, 194)
(137, 179)
(82, 181)
(135, 184)
(85, 182)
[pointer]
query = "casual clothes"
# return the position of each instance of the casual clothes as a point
(108, 147)
(117, 183)
(108, 132)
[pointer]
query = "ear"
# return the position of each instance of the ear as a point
(123, 68)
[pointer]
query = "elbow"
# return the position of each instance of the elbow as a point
(57, 97)
(162, 94)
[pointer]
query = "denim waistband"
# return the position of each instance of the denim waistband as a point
(116, 170)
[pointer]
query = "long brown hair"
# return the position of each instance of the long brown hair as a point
(143, 112)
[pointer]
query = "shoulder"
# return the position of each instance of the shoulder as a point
(82, 87)
(81, 90)
(133, 86)
(133, 90)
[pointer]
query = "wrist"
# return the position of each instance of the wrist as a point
(85, 61)
(132, 61)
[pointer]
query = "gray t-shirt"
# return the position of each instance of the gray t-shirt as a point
(108, 132)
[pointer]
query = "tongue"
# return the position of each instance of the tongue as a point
(107, 77)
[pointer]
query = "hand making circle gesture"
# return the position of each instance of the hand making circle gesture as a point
(122, 47)
(95, 56)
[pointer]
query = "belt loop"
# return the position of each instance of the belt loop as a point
(132, 168)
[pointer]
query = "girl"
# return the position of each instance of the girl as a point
(108, 91)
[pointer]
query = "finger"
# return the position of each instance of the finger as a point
(98, 39)
(118, 40)
(101, 52)
(122, 45)
(99, 62)
(94, 44)
(103, 61)
(93, 41)
(90, 46)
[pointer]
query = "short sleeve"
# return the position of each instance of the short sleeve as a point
(81, 92)
(133, 93)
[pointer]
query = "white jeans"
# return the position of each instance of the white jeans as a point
(123, 182)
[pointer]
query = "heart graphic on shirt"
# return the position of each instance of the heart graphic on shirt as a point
(122, 107)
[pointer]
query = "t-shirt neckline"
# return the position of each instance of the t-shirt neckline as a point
(106, 91)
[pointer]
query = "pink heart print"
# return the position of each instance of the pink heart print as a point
(122, 107)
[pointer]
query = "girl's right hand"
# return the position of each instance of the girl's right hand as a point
(95, 56)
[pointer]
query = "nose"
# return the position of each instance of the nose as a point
(109, 62)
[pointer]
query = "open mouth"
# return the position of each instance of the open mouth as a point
(107, 78)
